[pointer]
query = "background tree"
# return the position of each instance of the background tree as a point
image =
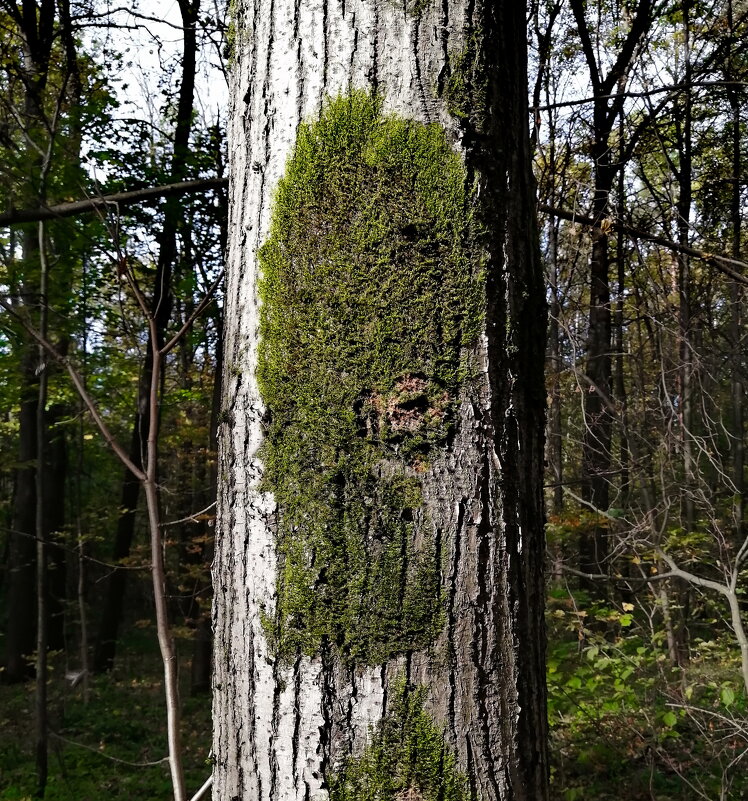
(161, 303)
(665, 592)
(98, 326)
(43, 118)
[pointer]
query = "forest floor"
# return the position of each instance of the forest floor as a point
(628, 725)
(625, 726)
(101, 750)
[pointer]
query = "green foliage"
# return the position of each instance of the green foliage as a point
(123, 720)
(621, 714)
(407, 758)
(370, 301)
(564, 529)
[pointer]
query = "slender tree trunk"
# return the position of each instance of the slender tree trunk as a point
(202, 649)
(608, 96)
(42, 581)
(554, 444)
(736, 297)
(20, 636)
(620, 393)
(315, 703)
(114, 596)
(685, 346)
(21, 595)
(35, 26)
(161, 305)
(55, 469)
(555, 431)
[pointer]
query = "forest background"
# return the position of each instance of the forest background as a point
(110, 335)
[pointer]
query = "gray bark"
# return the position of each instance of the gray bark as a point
(282, 730)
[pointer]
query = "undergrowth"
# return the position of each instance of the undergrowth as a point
(625, 723)
(123, 722)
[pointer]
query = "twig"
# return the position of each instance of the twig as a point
(204, 789)
(199, 309)
(193, 518)
(107, 756)
(724, 264)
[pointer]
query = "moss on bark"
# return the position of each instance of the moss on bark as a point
(407, 758)
(370, 301)
(466, 89)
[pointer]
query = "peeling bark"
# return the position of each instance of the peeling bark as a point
(284, 729)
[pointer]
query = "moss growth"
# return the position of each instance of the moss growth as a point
(416, 7)
(230, 47)
(407, 759)
(466, 89)
(370, 297)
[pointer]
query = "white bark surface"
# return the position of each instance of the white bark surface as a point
(278, 729)
(290, 56)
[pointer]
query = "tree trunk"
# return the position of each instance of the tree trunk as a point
(598, 417)
(161, 306)
(114, 596)
(378, 597)
(36, 37)
(21, 598)
(736, 297)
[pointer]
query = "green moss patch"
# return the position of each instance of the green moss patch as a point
(466, 89)
(370, 299)
(407, 759)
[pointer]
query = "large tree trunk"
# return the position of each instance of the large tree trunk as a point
(378, 598)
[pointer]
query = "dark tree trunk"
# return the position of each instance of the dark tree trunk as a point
(55, 481)
(35, 27)
(608, 97)
(737, 445)
(21, 596)
(114, 595)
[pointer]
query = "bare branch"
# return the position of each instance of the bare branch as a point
(723, 263)
(106, 756)
(75, 207)
(204, 789)
(692, 578)
(199, 309)
(193, 518)
(675, 88)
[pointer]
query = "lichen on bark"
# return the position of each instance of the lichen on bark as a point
(371, 299)
(417, 7)
(406, 759)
